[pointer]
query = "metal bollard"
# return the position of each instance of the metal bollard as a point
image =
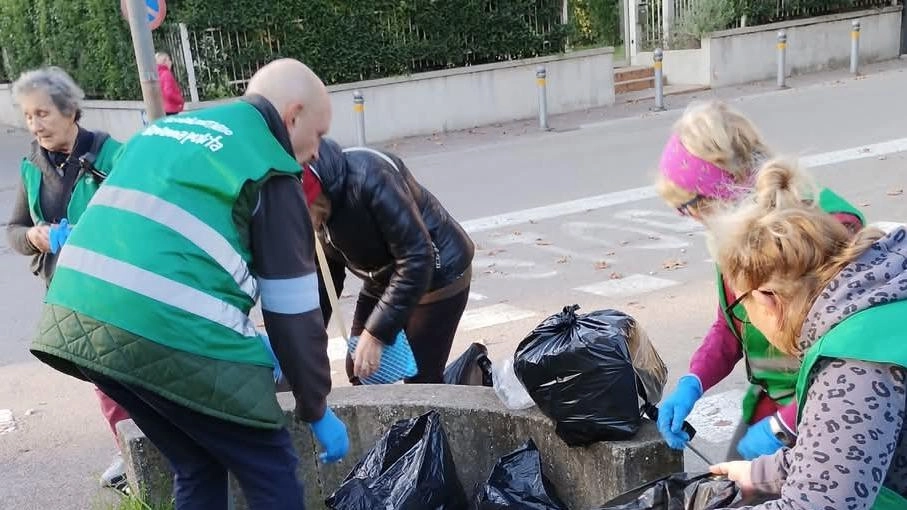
(359, 111)
(659, 81)
(541, 81)
(782, 59)
(855, 48)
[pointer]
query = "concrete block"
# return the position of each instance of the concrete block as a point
(147, 470)
(480, 431)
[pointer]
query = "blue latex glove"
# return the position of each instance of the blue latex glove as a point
(277, 373)
(759, 441)
(331, 434)
(675, 408)
(59, 234)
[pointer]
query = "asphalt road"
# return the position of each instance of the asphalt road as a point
(561, 217)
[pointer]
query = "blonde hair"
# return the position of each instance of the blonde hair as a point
(717, 133)
(778, 239)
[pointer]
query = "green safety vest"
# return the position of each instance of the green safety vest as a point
(875, 335)
(175, 187)
(85, 186)
(767, 368)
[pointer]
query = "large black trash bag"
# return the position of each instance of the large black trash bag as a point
(472, 368)
(683, 491)
(518, 483)
(579, 371)
(410, 468)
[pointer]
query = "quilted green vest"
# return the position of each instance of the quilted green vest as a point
(85, 187)
(158, 257)
(875, 335)
(767, 368)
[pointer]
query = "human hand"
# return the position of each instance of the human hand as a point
(759, 440)
(674, 410)
(738, 471)
(367, 357)
(332, 436)
(39, 237)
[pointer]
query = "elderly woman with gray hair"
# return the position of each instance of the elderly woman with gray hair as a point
(61, 171)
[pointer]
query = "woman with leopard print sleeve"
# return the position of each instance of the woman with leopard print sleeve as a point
(839, 303)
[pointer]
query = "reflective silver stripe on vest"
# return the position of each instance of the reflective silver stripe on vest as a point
(183, 222)
(156, 287)
(773, 364)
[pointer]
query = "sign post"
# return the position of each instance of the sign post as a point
(144, 16)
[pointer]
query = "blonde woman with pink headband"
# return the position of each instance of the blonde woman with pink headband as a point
(712, 157)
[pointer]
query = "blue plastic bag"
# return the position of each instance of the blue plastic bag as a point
(397, 361)
(59, 234)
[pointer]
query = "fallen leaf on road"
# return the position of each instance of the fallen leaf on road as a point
(563, 260)
(616, 276)
(492, 253)
(624, 243)
(542, 242)
(517, 233)
(654, 238)
(533, 222)
(601, 264)
(609, 254)
(673, 264)
(895, 192)
(865, 204)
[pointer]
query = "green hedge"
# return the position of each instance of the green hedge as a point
(760, 12)
(343, 40)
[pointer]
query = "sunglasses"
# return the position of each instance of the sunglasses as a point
(686, 208)
(737, 311)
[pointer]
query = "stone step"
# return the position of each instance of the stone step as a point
(634, 85)
(624, 74)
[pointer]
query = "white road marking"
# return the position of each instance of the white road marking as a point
(631, 285)
(337, 349)
(492, 315)
(7, 422)
(716, 416)
(475, 296)
(636, 194)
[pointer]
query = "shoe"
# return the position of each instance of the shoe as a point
(115, 476)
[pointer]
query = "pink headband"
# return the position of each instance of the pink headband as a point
(694, 174)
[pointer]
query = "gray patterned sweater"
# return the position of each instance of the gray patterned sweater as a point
(852, 431)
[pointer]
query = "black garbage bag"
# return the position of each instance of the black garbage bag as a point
(517, 482)
(683, 491)
(579, 371)
(472, 368)
(410, 468)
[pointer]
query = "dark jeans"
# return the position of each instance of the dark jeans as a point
(430, 330)
(201, 449)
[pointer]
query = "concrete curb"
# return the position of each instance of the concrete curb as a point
(479, 428)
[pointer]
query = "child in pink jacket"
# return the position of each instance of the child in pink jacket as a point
(170, 89)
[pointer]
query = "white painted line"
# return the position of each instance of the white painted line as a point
(561, 209)
(629, 286)
(7, 422)
(887, 226)
(493, 315)
(636, 194)
(475, 296)
(716, 416)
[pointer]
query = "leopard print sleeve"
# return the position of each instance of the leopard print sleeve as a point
(851, 440)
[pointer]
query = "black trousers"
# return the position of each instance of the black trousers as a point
(201, 450)
(431, 329)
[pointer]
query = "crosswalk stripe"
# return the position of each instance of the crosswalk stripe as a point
(628, 286)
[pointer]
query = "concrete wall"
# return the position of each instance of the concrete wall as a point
(748, 54)
(681, 67)
(480, 431)
(423, 103)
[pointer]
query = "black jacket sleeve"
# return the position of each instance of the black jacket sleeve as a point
(19, 223)
(283, 259)
(410, 245)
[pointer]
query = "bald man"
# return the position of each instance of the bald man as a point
(153, 290)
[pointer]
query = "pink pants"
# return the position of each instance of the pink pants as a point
(112, 411)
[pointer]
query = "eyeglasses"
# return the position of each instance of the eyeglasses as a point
(686, 208)
(737, 311)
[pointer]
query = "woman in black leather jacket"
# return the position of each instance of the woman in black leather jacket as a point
(414, 259)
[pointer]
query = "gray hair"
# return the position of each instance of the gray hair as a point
(62, 89)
